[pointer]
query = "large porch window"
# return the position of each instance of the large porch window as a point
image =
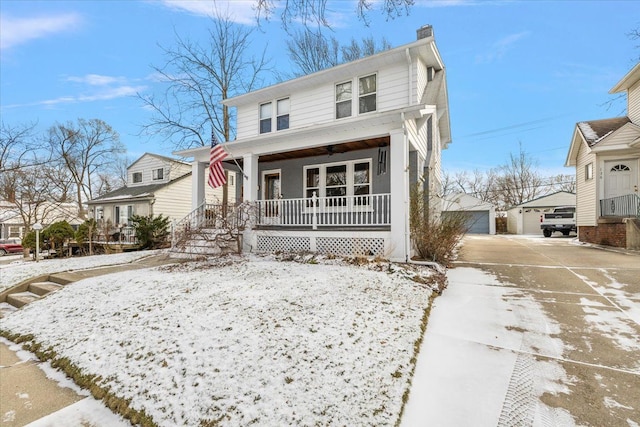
(339, 181)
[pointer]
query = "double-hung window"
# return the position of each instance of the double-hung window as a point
(346, 184)
(343, 100)
(137, 177)
(282, 114)
(157, 174)
(367, 93)
(265, 117)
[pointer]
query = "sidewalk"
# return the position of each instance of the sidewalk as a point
(34, 394)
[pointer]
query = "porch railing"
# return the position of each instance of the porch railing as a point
(314, 212)
(625, 206)
(207, 215)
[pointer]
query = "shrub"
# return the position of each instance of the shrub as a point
(434, 236)
(58, 233)
(151, 232)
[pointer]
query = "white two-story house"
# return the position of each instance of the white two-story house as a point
(329, 158)
(156, 185)
(606, 155)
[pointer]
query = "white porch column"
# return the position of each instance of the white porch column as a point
(197, 183)
(250, 194)
(399, 173)
(251, 180)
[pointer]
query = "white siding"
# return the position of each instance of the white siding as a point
(147, 163)
(625, 135)
(421, 83)
(108, 210)
(316, 105)
(174, 200)
(586, 203)
(633, 103)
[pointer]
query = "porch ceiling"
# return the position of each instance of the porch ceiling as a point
(328, 149)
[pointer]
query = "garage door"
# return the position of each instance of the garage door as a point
(478, 222)
(531, 220)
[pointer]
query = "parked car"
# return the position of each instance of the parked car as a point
(9, 247)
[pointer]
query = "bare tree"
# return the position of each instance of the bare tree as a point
(86, 149)
(312, 51)
(562, 182)
(313, 12)
(31, 191)
(518, 180)
(16, 146)
(198, 77)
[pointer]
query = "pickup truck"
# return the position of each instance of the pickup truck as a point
(562, 219)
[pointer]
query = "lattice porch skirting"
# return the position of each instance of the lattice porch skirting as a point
(347, 244)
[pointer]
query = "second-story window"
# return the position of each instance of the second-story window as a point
(137, 177)
(157, 174)
(265, 117)
(343, 100)
(367, 93)
(282, 115)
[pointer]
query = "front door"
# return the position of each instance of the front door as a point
(271, 194)
(620, 178)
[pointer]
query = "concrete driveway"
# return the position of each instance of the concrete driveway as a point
(532, 331)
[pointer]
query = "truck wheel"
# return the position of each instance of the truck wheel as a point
(546, 232)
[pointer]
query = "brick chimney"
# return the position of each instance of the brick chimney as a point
(425, 31)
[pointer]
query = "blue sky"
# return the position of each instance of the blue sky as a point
(519, 72)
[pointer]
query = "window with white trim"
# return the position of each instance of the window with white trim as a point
(157, 174)
(137, 177)
(282, 114)
(588, 172)
(342, 184)
(367, 94)
(343, 99)
(265, 117)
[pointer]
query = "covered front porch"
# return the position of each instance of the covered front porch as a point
(338, 187)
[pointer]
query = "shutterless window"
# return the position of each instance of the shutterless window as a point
(367, 93)
(137, 177)
(157, 174)
(343, 100)
(588, 172)
(282, 114)
(265, 118)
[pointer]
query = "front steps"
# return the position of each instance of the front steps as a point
(24, 293)
(204, 242)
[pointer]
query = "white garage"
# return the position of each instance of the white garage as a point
(481, 216)
(525, 218)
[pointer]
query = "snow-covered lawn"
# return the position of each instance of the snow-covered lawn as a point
(242, 340)
(22, 269)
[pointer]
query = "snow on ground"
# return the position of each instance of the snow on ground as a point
(22, 269)
(477, 359)
(251, 341)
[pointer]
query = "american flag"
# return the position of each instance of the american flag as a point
(217, 154)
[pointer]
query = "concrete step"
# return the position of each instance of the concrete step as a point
(43, 288)
(21, 298)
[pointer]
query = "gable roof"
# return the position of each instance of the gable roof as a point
(464, 202)
(559, 198)
(139, 192)
(595, 131)
(628, 80)
(160, 157)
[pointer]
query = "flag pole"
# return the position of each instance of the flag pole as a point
(222, 145)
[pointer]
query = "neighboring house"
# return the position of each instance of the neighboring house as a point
(12, 224)
(329, 158)
(156, 185)
(606, 155)
(525, 217)
(480, 216)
